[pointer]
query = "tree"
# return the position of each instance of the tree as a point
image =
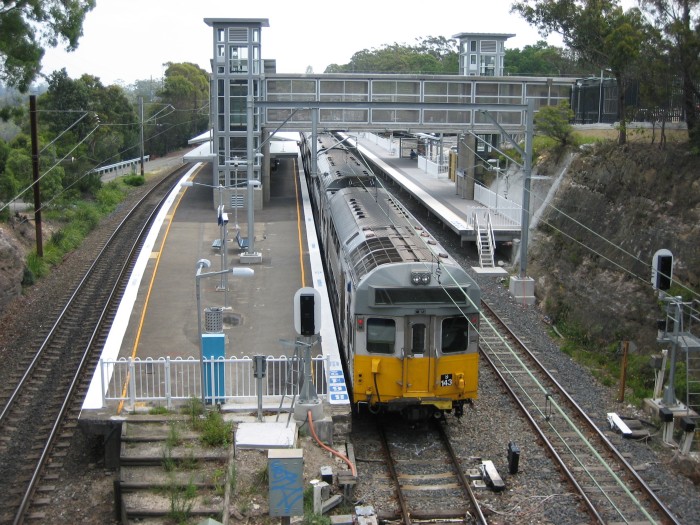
(554, 122)
(599, 31)
(675, 20)
(28, 26)
(182, 112)
(541, 59)
(90, 123)
(432, 55)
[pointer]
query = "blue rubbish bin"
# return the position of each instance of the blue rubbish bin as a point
(213, 348)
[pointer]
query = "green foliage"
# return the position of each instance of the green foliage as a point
(432, 55)
(95, 124)
(134, 180)
(158, 411)
(26, 26)
(78, 221)
(215, 431)
(600, 32)
(109, 196)
(193, 408)
(542, 59)
(671, 65)
(182, 112)
(168, 461)
(554, 122)
(28, 278)
(309, 517)
(181, 502)
(37, 265)
(605, 362)
(218, 479)
(174, 438)
(66, 240)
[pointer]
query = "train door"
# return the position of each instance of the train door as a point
(418, 354)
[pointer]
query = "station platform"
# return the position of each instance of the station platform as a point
(157, 318)
(439, 195)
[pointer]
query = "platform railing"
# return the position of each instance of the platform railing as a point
(507, 213)
(164, 381)
(130, 164)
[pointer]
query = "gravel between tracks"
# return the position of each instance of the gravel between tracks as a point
(536, 495)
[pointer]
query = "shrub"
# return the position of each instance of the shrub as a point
(109, 196)
(216, 432)
(36, 265)
(134, 180)
(553, 122)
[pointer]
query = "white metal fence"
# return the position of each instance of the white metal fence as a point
(506, 213)
(163, 381)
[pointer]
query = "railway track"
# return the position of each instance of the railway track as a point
(39, 411)
(608, 486)
(416, 470)
(611, 490)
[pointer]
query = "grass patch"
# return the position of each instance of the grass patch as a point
(174, 438)
(75, 221)
(605, 363)
(215, 431)
(181, 502)
(168, 461)
(193, 408)
(158, 411)
(309, 517)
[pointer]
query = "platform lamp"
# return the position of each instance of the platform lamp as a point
(222, 220)
(202, 264)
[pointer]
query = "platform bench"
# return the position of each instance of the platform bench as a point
(242, 241)
(216, 244)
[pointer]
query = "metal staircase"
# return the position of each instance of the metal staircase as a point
(485, 241)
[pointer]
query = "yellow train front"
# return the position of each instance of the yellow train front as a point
(406, 314)
(415, 340)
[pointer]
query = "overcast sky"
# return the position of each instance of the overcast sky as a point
(126, 40)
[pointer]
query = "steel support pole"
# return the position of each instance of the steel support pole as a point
(200, 265)
(250, 173)
(527, 171)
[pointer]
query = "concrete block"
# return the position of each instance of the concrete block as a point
(522, 289)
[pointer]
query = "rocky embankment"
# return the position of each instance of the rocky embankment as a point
(592, 249)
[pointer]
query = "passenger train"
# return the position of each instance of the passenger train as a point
(406, 314)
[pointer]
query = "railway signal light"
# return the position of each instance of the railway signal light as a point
(307, 311)
(662, 270)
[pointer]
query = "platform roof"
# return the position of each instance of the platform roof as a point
(262, 22)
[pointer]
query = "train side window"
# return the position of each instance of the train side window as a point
(381, 335)
(454, 334)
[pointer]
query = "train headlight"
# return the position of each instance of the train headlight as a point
(418, 278)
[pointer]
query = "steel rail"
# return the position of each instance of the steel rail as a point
(460, 474)
(591, 425)
(73, 387)
(403, 506)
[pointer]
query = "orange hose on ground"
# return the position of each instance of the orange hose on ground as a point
(329, 449)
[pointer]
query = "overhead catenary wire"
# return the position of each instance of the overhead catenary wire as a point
(88, 172)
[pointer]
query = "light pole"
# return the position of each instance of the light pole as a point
(201, 264)
(222, 219)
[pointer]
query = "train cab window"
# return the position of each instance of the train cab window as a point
(381, 335)
(418, 338)
(454, 334)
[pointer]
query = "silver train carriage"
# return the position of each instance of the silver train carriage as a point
(406, 314)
